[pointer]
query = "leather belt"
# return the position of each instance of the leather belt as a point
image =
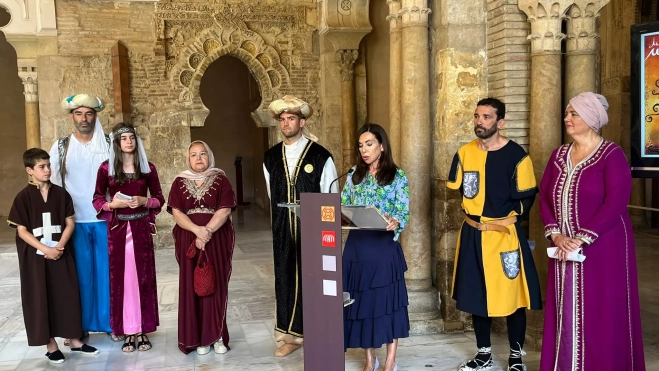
(499, 225)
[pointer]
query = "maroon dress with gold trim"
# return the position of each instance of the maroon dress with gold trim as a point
(142, 226)
(202, 320)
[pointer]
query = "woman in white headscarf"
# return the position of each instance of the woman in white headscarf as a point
(201, 200)
(135, 198)
(592, 315)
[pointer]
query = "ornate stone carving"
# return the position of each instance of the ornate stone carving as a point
(27, 71)
(582, 32)
(250, 47)
(546, 17)
(275, 81)
(265, 60)
(346, 14)
(414, 13)
(211, 45)
(195, 59)
(346, 59)
(394, 15)
(186, 77)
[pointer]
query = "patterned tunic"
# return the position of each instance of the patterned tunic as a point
(393, 199)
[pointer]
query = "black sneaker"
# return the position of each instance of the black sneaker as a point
(85, 349)
(55, 357)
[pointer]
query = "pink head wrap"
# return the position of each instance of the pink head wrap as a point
(592, 109)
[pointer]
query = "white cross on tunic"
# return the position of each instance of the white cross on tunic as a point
(47, 229)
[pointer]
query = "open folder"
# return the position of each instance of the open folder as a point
(353, 216)
(362, 217)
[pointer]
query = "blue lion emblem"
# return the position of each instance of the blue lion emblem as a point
(511, 264)
(470, 183)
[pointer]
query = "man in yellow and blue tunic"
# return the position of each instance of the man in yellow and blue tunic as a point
(494, 274)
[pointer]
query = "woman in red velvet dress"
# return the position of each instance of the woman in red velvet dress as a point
(136, 198)
(201, 200)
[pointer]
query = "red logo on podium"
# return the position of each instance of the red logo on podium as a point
(329, 239)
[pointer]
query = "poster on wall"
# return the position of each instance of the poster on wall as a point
(645, 100)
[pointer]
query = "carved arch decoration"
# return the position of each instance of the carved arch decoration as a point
(236, 40)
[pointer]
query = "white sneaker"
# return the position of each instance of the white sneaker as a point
(219, 347)
(203, 350)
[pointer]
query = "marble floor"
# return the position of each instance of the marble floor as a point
(250, 317)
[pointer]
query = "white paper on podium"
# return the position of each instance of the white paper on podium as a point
(329, 287)
(329, 263)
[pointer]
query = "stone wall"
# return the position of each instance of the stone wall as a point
(509, 65)
(170, 44)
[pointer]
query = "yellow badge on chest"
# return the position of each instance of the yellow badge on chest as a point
(308, 168)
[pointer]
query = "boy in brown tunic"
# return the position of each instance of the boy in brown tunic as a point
(42, 214)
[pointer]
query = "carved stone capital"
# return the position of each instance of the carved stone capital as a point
(348, 14)
(414, 13)
(582, 32)
(27, 71)
(347, 58)
(394, 16)
(546, 17)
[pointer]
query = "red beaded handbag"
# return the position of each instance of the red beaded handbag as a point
(204, 276)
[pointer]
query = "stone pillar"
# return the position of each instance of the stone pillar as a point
(27, 71)
(416, 155)
(580, 61)
(395, 75)
(545, 119)
(346, 59)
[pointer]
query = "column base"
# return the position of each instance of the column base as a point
(424, 312)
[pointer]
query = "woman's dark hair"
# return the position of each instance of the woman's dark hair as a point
(119, 176)
(386, 167)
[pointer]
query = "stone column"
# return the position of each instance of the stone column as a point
(416, 155)
(27, 71)
(395, 74)
(545, 117)
(346, 59)
(582, 35)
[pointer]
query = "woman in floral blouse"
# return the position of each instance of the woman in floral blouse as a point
(373, 261)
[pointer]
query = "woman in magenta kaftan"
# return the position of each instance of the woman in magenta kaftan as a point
(201, 200)
(131, 224)
(592, 315)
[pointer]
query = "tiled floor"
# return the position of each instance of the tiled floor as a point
(250, 316)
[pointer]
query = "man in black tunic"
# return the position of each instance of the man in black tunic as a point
(294, 166)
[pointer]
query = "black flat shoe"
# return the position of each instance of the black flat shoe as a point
(55, 357)
(85, 349)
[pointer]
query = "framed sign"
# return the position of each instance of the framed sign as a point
(645, 100)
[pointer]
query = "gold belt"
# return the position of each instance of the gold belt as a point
(499, 225)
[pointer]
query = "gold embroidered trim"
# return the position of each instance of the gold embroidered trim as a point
(200, 210)
(198, 192)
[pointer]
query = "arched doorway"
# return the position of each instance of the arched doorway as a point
(231, 93)
(12, 122)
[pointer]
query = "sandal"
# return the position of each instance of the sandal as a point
(145, 344)
(116, 338)
(128, 343)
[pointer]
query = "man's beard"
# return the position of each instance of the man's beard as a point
(291, 133)
(486, 133)
(87, 130)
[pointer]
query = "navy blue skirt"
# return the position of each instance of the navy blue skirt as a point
(373, 274)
